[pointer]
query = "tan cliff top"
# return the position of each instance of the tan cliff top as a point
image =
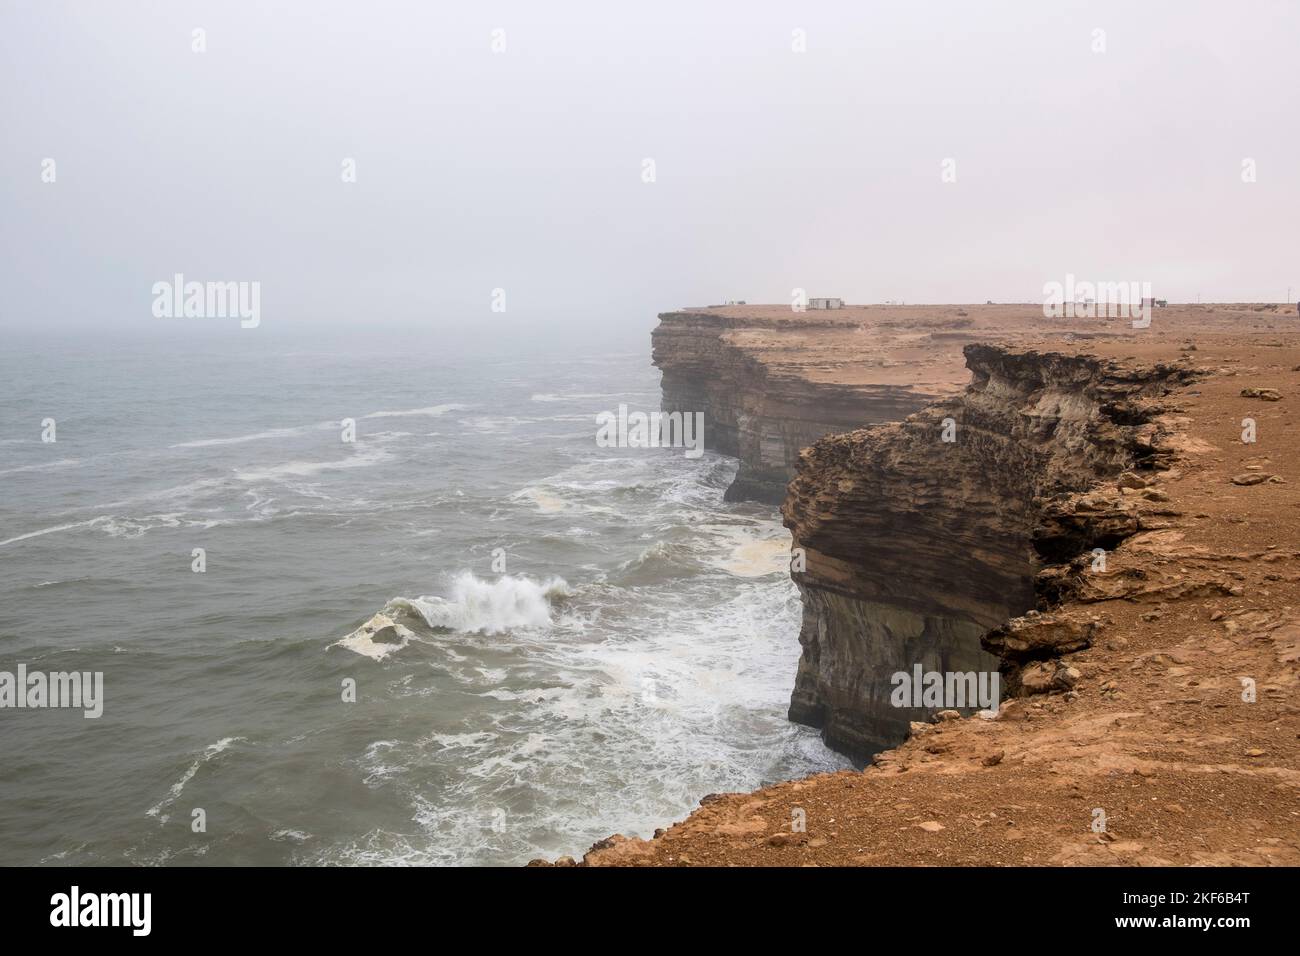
(919, 346)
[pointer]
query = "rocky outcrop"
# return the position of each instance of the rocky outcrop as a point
(765, 396)
(914, 547)
(920, 537)
(770, 381)
(1154, 682)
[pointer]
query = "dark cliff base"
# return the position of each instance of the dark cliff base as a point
(767, 489)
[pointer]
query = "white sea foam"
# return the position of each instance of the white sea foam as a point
(753, 550)
(489, 607)
(388, 436)
(432, 411)
(392, 637)
(489, 425)
(576, 396)
(684, 701)
(52, 530)
(115, 526)
(255, 436)
(208, 753)
(545, 502)
(475, 740)
(42, 466)
(304, 469)
(178, 494)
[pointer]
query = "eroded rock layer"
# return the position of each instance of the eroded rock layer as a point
(756, 379)
(921, 536)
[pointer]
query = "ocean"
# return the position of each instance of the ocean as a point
(593, 639)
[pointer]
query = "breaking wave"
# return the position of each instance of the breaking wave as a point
(489, 607)
(474, 607)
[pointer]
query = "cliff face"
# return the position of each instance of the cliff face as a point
(763, 401)
(916, 546)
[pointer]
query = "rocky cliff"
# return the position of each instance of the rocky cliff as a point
(1150, 716)
(768, 389)
(920, 537)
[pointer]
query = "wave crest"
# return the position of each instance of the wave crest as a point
(489, 607)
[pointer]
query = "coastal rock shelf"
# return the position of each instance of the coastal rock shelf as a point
(767, 391)
(922, 536)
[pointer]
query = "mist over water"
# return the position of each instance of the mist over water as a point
(635, 654)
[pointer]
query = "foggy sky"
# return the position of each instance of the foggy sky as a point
(522, 170)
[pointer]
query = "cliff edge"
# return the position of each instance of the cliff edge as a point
(771, 382)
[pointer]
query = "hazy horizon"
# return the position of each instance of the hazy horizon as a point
(522, 170)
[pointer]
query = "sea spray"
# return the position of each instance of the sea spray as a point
(489, 607)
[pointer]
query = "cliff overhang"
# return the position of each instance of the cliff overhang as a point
(921, 537)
